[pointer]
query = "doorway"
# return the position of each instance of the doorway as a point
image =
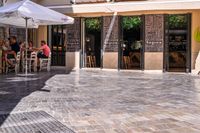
(177, 43)
(131, 48)
(92, 42)
(58, 47)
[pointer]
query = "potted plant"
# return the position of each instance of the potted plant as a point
(177, 21)
(131, 22)
(93, 24)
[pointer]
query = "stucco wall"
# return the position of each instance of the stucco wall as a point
(110, 60)
(42, 34)
(195, 44)
(153, 61)
(72, 60)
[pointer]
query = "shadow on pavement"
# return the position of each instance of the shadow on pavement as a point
(13, 88)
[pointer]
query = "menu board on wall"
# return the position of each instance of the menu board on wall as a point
(154, 33)
(112, 43)
(74, 36)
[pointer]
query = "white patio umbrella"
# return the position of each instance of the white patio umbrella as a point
(28, 14)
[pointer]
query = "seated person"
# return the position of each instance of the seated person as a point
(45, 51)
(8, 53)
(22, 47)
(1, 54)
(14, 44)
(30, 45)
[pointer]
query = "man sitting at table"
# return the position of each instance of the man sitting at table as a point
(45, 51)
(14, 44)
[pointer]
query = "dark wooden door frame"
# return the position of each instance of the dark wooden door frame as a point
(83, 43)
(189, 59)
(143, 42)
(55, 62)
(120, 42)
(166, 42)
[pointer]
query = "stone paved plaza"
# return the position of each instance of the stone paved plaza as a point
(98, 101)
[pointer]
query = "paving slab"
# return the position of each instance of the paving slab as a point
(92, 101)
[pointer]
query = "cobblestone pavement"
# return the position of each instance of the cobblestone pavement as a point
(108, 102)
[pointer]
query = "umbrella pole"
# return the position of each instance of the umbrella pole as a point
(26, 67)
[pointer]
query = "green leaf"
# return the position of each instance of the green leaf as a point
(177, 21)
(133, 22)
(93, 24)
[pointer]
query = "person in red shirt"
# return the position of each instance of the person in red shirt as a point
(45, 50)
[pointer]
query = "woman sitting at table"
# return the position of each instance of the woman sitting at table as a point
(30, 46)
(8, 53)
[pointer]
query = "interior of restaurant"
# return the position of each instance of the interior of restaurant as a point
(178, 46)
(58, 45)
(131, 48)
(93, 39)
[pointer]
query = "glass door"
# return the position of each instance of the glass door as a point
(177, 43)
(92, 42)
(58, 45)
(131, 49)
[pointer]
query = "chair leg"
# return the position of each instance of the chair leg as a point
(92, 63)
(35, 65)
(48, 67)
(16, 69)
(29, 66)
(125, 62)
(95, 62)
(6, 69)
(40, 65)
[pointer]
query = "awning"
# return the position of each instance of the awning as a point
(129, 6)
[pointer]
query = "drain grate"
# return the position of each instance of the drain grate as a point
(31, 122)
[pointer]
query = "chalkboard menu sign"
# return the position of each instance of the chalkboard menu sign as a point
(154, 33)
(112, 43)
(74, 36)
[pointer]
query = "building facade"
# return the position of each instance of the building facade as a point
(125, 34)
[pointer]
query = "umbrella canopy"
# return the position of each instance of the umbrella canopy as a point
(14, 14)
